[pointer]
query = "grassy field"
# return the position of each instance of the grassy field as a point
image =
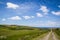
(57, 31)
(15, 32)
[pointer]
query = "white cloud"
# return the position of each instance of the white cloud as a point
(32, 16)
(3, 19)
(28, 17)
(51, 23)
(44, 9)
(39, 15)
(12, 5)
(56, 13)
(59, 6)
(47, 24)
(15, 18)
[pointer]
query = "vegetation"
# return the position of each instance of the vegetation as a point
(57, 31)
(15, 32)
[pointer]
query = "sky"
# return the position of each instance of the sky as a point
(36, 13)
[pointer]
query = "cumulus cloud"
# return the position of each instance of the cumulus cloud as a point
(28, 17)
(15, 18)
(59, 6)
(51, 23)
(32, 16)
(3, 19)
(44, 9)
(12, 5)
(47, 24)
(56, 13)
(39, 15)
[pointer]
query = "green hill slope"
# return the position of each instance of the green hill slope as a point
(15, 32)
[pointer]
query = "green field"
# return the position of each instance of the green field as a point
(57, 31)
(14, 32)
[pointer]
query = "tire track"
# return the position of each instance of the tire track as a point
(49, 36)
(54, 37)
(46, 37)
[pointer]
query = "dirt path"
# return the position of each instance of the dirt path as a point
(49, 36)
(46, 37)
(54, 37)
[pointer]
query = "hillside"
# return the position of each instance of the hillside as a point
(16, 32)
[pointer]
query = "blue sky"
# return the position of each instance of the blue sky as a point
(39, 13)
